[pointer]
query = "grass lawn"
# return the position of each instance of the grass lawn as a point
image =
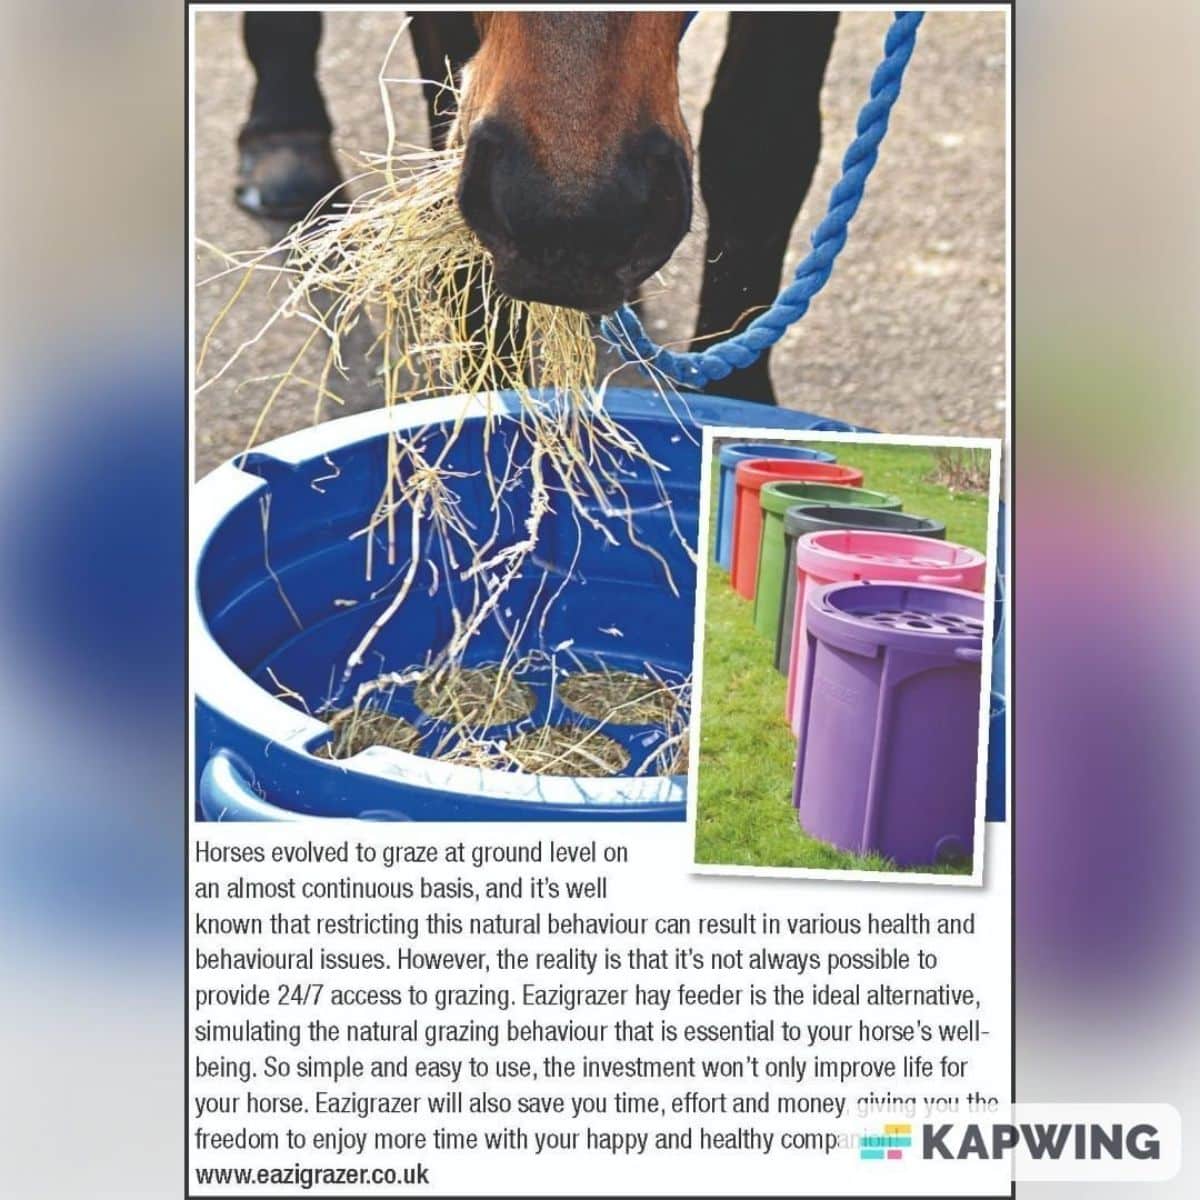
(747, 752)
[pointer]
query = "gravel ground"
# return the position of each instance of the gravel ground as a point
(909, 335)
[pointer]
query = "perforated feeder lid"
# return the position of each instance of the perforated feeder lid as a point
(845, 554)
(865, 618)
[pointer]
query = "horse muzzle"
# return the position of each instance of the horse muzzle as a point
(578, 240)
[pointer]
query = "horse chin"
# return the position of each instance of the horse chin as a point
(591, 295)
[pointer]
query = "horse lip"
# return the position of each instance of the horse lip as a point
(633, 276)
(591, 305)
(595, 300)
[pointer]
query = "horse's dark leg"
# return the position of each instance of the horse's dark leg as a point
(286, 164)
(759, 146)
(442, 41)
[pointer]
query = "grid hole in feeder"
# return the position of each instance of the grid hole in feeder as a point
(571, 750)
(618, 697)
(474, 696)
(354, 729)
(922, 620)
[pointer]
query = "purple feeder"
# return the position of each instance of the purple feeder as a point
(889, 736)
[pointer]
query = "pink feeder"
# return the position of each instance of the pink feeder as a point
(846, 555)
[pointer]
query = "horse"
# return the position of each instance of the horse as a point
(577, 170)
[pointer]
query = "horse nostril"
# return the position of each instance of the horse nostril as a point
(659, 149)
(666, 184)
(487, 146)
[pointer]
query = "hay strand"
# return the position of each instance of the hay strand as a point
(478, 696)
(618, 697)
(570, 750)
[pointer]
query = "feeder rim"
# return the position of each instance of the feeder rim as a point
(736, 452)
(754, 473)
(817, 510)
(780, 495)
(943, 562)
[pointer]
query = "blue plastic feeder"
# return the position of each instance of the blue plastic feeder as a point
(257, 752)
(728, 458)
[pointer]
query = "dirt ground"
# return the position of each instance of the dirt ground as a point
(908, 336)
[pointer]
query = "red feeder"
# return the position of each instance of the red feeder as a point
(749, 479)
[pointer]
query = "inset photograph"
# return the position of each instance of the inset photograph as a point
(846, 633)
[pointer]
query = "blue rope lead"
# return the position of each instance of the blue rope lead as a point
(701, 367)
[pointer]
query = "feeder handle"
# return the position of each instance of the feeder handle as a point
(957, 577)
(225, 794)
(969, 654)
(851, 644)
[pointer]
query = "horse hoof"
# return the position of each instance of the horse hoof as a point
(285, 176)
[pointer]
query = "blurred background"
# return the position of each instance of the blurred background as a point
(92, 475)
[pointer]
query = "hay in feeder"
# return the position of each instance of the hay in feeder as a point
(355, 728)
(475, 696)
(402, 261)
(674, 760)
(571, 750)
(471, 752)
(618, 697)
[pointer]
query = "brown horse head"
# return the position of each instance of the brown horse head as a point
(577, 174)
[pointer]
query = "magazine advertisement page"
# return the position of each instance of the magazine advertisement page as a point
(600, 733)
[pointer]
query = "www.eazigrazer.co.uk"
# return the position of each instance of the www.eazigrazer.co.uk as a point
(308, 1178)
